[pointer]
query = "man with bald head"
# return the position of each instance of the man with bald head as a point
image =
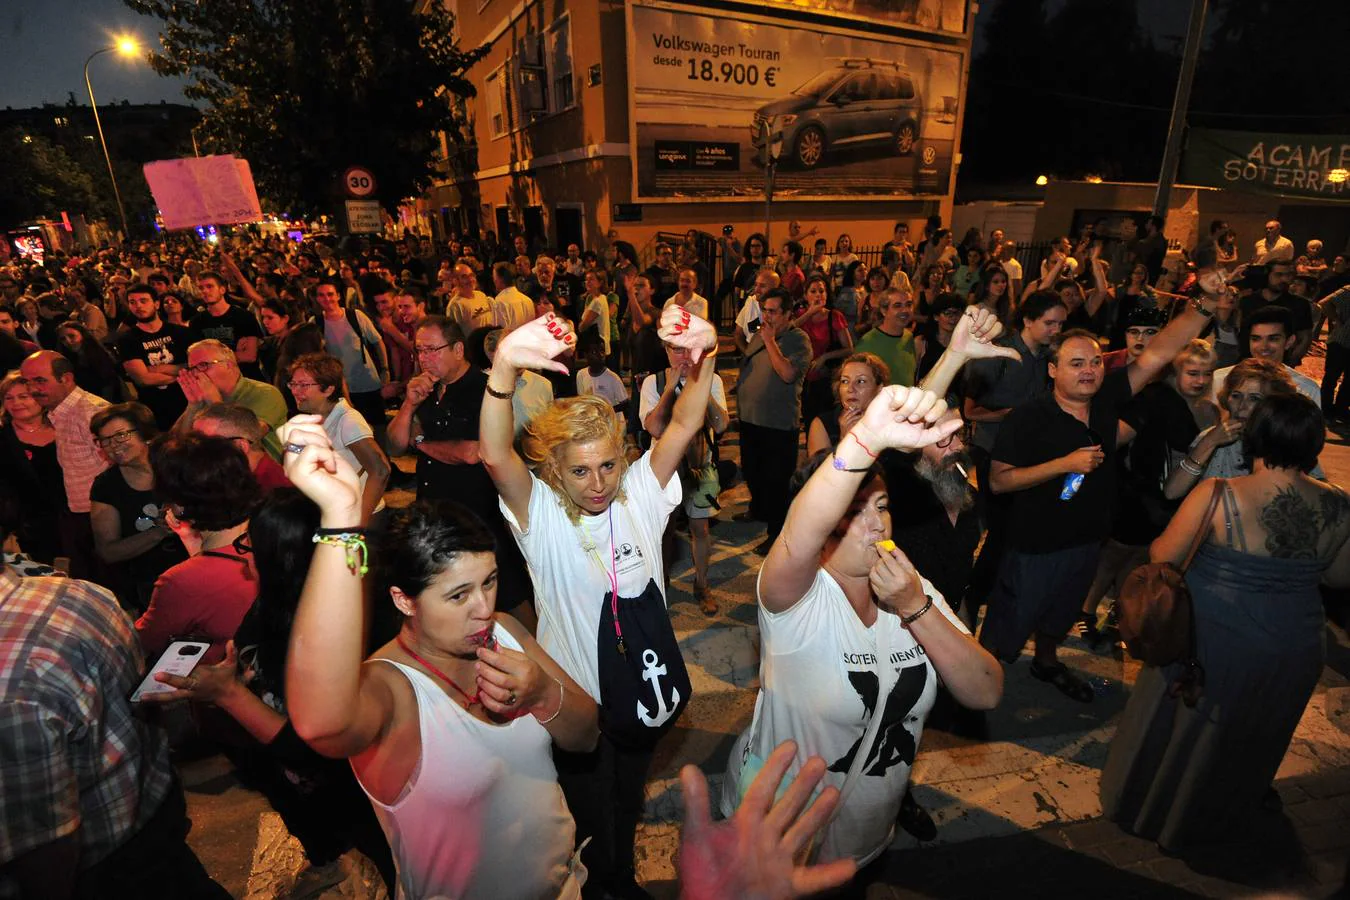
(212, 376)
(51, 382)
(468, 307)
(1273, 246)
(241, 426)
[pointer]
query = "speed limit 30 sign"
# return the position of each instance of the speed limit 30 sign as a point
(358, 182)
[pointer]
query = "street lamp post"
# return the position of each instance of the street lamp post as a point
(126, 47)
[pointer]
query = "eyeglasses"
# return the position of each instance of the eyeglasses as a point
(427, 351)
(117, 438)
(204, 365)
(300, 385)
(963, 433)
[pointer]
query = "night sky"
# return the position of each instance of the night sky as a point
(44, 44)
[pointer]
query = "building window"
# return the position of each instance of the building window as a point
(497, 104)
(559, 62)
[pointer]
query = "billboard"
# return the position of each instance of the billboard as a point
(1315, 166)
(850, 116)
(939, 16)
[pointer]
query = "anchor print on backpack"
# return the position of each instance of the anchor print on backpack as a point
(644, 685)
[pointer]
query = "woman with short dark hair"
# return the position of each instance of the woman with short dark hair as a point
(1178, 774)
(208, 492)
(124, 511)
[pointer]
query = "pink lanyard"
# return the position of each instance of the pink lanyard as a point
(612, 574)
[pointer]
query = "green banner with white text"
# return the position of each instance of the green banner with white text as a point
(1313, 166)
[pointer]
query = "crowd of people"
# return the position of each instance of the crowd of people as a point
(203, 438)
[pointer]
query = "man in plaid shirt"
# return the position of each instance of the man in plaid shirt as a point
(51, 381)
(91, 806)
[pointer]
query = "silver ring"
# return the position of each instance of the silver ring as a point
(511, 699)
(294, 448)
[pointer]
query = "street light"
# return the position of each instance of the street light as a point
(125, 46)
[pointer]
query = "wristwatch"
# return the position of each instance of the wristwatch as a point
(419, 439)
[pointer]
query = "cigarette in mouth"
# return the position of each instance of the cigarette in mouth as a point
(962, 469)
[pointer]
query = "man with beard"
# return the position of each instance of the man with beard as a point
(935, 520)
(152, 351)
(1055, 456)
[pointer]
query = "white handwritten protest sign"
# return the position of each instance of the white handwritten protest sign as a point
(203, 190)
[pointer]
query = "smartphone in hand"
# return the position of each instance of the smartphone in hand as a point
(180, 658)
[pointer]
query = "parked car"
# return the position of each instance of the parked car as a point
(856, 102)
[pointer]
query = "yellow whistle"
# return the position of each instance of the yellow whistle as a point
(886, 546)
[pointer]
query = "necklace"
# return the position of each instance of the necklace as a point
(29, 429)
(471, 699)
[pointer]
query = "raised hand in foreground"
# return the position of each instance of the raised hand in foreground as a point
(537, 344)
(903, 418)
(752, 855)
(681, 328)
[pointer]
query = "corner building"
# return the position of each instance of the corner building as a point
(655, 117)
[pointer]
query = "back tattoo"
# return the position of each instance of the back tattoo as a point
(1294, 526)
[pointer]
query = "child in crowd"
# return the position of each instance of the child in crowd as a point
(597, 378)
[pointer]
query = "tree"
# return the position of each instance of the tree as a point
(303, 90)
(41, 179)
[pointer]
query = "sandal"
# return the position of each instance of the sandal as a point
(706, 604)
(1069, 684)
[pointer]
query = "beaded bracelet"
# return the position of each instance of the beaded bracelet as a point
(909, 620)
(352, 541)
(560, 704)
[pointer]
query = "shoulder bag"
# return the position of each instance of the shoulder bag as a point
(1157, 617)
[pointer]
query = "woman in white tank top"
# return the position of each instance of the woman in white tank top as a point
(448, 727)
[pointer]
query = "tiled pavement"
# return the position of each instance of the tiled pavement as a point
(1018, 815)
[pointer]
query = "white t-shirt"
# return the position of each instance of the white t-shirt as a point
(697, 305)
(750, 312)
(599, 305)
(511, 309)
(606, 384)
(1068, 270)
(569, 584)
(651, 396)
(470, 313)
(534, 394)
(1283, 249)
(1013, 268)
(817, 666)
(344, 427)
